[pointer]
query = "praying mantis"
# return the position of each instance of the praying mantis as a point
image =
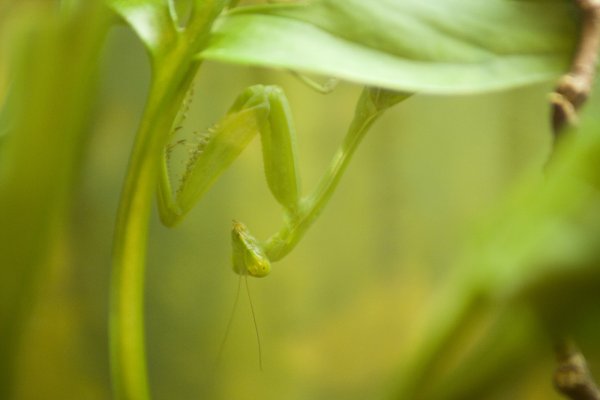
(265, 110)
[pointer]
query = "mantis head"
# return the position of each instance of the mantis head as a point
(248, 256)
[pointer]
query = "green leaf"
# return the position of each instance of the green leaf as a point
(150, 19)
(436, 46)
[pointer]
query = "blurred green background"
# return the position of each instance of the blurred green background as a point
(338, 316)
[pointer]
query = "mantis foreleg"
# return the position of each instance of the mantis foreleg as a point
(265, 110)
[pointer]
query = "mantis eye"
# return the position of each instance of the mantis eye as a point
(248, 256)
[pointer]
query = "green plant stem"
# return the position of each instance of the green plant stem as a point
(128, 358)
(173, 73)
(367, 112)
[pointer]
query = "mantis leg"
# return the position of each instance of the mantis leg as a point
(215, 151)
(259, 109)
(265, 110)
(371, 105)
(324, 88)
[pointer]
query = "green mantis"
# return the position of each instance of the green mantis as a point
(265, 110)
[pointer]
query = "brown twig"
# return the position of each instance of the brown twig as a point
(575, 86)
(572, 377)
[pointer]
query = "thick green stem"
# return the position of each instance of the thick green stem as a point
(128, 359)
(173, 72)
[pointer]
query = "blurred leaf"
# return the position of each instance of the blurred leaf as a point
(52, 68)
(150, 19)
(539, 249)
(551, 225)
(442, 46)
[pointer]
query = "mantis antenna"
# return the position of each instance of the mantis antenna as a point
(230, 322)
(259, 347)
